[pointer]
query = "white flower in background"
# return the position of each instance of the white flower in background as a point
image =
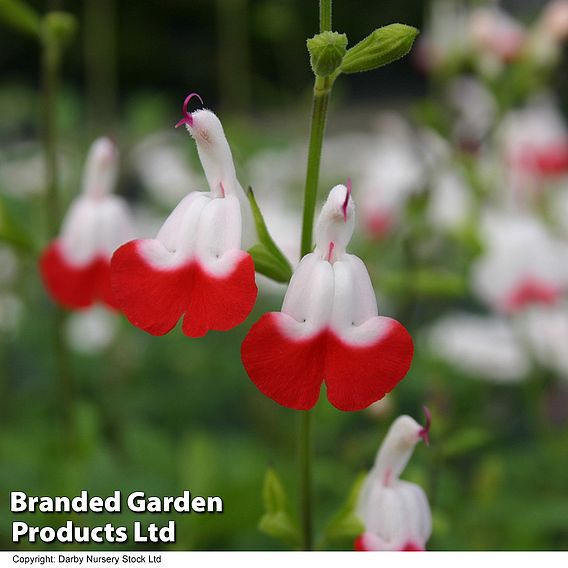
(8, 265)
(164, 169)
(445, 36)
(387, 181)
(495, 36)
(476, 110)
(22, 171)
(395, 513)
(484, 347)
(523, 263)
(534, 143)
(273, 171)
(11, 309)
(545, 331)
(548, 35)
(554, 20)
(91, 331)
(75, 266)
(450, 201)
(381, 408)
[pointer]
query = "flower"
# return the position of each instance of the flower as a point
(389, 178)
(396, 513)
(329, 328)
(524, 264)
(554, 20)
(493, 31)
(545, 332)
(535, 142)
(75, 267)
(482, 347)
(195, 267)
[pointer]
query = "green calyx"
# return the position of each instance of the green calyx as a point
(326, 52)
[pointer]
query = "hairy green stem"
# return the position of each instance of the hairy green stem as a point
(322, 90)
(50, 83)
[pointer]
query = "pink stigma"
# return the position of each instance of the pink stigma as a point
(424, 433)
(187, 118)
(330, 251)
(346, 202)
(222, 189)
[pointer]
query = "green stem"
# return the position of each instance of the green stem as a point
(50, 83)
(325, 15)
(322, 91)
(306, 479)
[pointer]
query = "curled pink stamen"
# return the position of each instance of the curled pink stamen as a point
(187, 118)
(346, 202)
(222, 189)
(330, 251)
(424, 433)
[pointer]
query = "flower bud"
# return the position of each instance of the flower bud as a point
(381, 47)
(326, 52)
(59, 28)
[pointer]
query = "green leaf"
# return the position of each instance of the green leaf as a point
(326, 52)
(381, 47)
(273, 492)
(346, 524)
(17, 15)
(277, 521)
(268, 258)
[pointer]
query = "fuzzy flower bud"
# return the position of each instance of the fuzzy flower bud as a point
(326, 52)
(381, 47)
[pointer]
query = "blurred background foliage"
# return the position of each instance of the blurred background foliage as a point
(165, 414)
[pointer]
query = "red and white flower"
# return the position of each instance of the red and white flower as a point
(329, 329)
(494, 32)
(195, 267)
(524, 264)
(75, 267)
(396, 513)
(535, 143)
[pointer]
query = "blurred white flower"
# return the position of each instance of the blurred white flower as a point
(91, 331)
(523, 263)
(445, 36)
(11, 309)
(476, 110)
(388, 179)
(483, 347)
(381, 408)
(273, 171)
(554, 20)
(8, 265)
(450, 201)
(164, 169)
(22, 172)
(534, 143)
(496, 34)
(546, 333)
(395, 513)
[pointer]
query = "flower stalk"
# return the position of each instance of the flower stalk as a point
(56, 29)
(322, 92)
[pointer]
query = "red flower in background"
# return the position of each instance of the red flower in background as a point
(75, 267)
(329, 329)
(195, 267)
